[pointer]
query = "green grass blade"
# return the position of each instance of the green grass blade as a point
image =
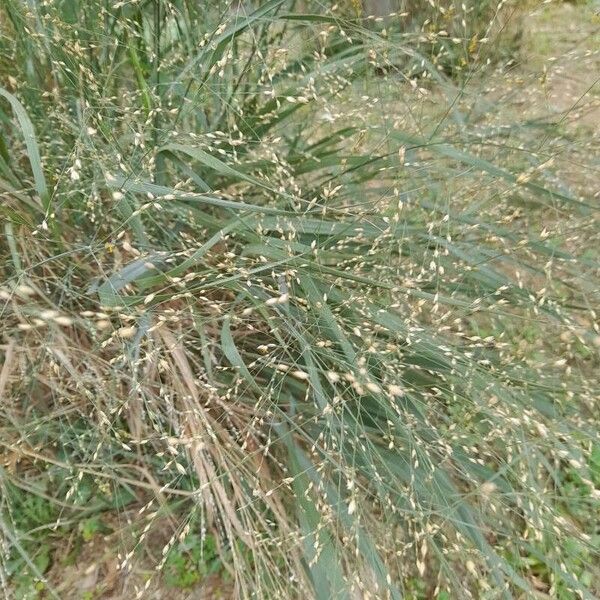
(33, 153)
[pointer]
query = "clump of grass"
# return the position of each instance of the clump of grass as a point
(247, 295)
(450, 36)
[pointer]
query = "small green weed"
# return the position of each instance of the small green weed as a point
(191, 560)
